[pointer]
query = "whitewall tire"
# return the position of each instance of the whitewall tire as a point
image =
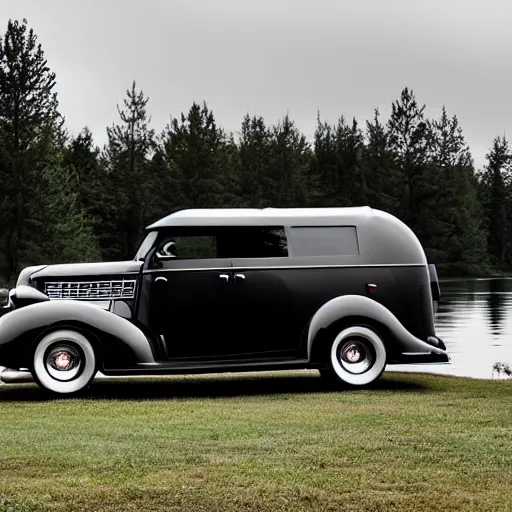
(357, 356)
(64, 362)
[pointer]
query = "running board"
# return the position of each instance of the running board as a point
(166, 367)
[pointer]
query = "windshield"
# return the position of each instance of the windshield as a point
(146, 245)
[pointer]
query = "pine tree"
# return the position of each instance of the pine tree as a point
(382, 176)
(193, 149)
(339, 163)
(408, 139)
(95, 192)
(288, 178)
(229, 161)
(162, 186)
(349, 143)
(29, 120)
(496, 184)
(324, 163)
(452, 217)
(69, 232)
(254, 154)
(127, 158)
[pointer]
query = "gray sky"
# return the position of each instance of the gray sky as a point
(269, 57)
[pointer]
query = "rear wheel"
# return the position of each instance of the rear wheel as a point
(357, 356)
(64, 362)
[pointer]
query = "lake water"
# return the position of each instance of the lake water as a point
(475, 322)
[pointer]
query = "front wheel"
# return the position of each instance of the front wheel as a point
(64, 362)
(357, 356)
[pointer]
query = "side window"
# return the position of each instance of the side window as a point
(253, 242)
(324, 241)
(187, 247)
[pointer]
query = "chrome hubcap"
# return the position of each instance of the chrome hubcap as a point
(355, 356)
(352, 354)
(63, 362)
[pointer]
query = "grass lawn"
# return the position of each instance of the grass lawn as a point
(259, 442)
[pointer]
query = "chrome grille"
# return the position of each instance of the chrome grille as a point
(90, 290)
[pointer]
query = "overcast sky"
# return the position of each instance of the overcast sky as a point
(270, 57)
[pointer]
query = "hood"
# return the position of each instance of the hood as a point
(72, 270)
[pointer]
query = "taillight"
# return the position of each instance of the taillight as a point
(371, 289)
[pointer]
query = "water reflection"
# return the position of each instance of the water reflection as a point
(475, 321)
(497, 305)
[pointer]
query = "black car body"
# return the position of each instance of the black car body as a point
(343, 290)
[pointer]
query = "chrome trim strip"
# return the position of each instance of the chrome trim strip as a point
(280, 267)
(93, 300)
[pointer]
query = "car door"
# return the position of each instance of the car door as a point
(190, 296)
(262, 296)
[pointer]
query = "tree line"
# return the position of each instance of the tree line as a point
(63, 199)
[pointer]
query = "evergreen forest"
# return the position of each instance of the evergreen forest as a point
(63, 199)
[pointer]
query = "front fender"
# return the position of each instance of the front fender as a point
(23, 295)
(123, 344)
(359, 306)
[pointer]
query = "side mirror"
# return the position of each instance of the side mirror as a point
(167, 252)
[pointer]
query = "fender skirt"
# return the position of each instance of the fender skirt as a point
(359, 306)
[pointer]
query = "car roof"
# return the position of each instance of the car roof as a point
(264, 216)
(382, 237)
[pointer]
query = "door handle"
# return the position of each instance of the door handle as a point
(224, 277)
(240, 276)
(162, 279)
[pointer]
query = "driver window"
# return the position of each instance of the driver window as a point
(187, 248)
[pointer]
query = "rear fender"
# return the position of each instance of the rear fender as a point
(123, 344)
(347, 306)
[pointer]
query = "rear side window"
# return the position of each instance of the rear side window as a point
(324, 241)
(252, 242)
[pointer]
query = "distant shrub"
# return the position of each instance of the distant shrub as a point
(501, 368)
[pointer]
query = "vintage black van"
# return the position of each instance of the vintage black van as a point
(342, 290)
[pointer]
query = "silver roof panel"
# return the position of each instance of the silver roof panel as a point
(382, 237)
(264, 216)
